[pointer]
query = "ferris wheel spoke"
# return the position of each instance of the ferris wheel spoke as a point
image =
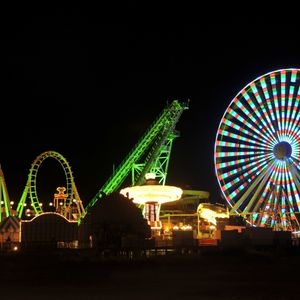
(257, 150)
(288, 185)
(293, 131)
(268, 201)
(275, 102)
(256, 117)
(267, 107)
(288, 209)
(249, 171)
(245, 118)
(294, 178)
(295, 112)
(245, 177)
(250, 126)
(245, 170)
(260, 198)
(283, 98)
(243, 161)
(240, 145)
(295, 175)
(295, 161)
(291, 191)
(243, 135)
(257, 164)
(294, 134)
(255, 101)
(260, 180)
(279, 99)
(290, 108)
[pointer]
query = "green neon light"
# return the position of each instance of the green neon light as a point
(5, 207)
(30, 190)
(152, 142)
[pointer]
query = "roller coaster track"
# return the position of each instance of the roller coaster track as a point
(154, 147)
(30, 190)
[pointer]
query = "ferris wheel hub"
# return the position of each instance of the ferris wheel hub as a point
(282, 150)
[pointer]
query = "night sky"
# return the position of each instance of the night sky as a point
(90, 90)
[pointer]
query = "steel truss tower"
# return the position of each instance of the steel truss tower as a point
(5, 206)
(151, 153)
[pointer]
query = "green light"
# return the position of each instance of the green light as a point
(161, 132)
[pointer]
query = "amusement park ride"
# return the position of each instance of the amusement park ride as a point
(71, 207)
(257, 151)
(256, 155)
(151, 154)
(151, 196)
(5, 203)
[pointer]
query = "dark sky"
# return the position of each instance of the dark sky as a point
(90, 90)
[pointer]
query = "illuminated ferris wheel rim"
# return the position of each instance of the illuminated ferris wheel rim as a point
(261, 119)
(245, 88)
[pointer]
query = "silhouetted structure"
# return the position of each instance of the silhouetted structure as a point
(112, 223)
(50, 230)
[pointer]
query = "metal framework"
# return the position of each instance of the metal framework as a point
(30, 190)
(151, 153)
(156, 162)
(5, 206)
(257, 151)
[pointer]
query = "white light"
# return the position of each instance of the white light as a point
(150, 176)
(152, 193)
(210, 215)
(186, 227)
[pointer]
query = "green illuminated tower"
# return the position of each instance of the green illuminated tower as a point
(151, 153)
(5, 208)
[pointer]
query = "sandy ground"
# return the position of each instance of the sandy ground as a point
(194, 276)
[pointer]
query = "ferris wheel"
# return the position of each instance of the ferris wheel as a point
(257, 151)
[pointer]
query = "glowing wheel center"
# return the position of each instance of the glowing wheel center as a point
(282, 150)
